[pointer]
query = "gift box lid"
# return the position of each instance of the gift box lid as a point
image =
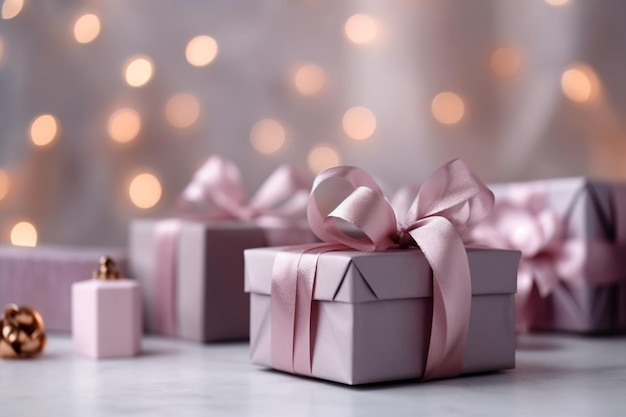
(355, 277)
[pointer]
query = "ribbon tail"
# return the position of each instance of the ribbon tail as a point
(283, 195)
(293, 322)
(306, 321)
(283, 308)
(452, 295)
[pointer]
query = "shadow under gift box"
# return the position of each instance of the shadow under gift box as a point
(208, 298)
(42, 278)
(374, 313)
(591, 211)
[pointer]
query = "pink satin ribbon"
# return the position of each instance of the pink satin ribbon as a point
(347, 210)
(165, 283)
(524, 221)
(216, 194)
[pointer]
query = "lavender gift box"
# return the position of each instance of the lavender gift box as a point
(592, 215)
(375, 310)
(42, 278)
(203, 298)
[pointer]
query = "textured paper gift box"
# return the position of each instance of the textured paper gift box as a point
(209, 298)
(591, 211)
(375, 312)
(106, 319)
(42, 278)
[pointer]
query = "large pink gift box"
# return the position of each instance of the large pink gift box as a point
(202, 297)
(374, 313)
(42, 278)
(576, 260)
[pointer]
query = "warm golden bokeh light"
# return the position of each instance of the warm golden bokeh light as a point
(361, 29)
(322, 157)
(24, 234)
(359, 123)
(43, 129)
(11, 8)
(505, 62)
(5, 184)
(182, 110)
(86, 28)
(138, 71)
(267, 136)
(557, 2)
(309, 79)
(145, 190)
(447, 108)
(580, 83)
(201, 50)
(124, 125)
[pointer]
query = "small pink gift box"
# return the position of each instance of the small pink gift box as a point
(375, 310)
(106, 319)
(572, 234)
(42, 278)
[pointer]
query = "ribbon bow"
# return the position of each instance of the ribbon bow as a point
(545, 256)
(216, 193)
(524, 221)
(347, 210)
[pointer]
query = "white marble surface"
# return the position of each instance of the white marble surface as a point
(555, 375)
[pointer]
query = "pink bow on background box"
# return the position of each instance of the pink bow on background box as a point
(196, 258)
(572, 235)
(216, 193)
(361, 218)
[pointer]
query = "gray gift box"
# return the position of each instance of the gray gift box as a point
(209, 301)
(594, 212)
(375, 311)
(42, 278)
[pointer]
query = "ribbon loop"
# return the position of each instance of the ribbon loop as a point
(370, 229)
(283, 194)
(453, 192)
(215, 191)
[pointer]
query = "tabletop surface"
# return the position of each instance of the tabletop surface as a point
(555, 375)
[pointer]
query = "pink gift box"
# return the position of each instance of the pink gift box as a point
(106, 318)
(42, 278)
(375, 311)
(207, 302)
(593, 212)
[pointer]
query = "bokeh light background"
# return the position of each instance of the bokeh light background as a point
(108, 107)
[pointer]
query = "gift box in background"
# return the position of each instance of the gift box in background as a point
(42, 278)
(202, 297)
(375, 313)
(191, 267)
(572, 234)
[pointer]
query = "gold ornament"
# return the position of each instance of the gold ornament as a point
(21, 333)
(107, 269)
